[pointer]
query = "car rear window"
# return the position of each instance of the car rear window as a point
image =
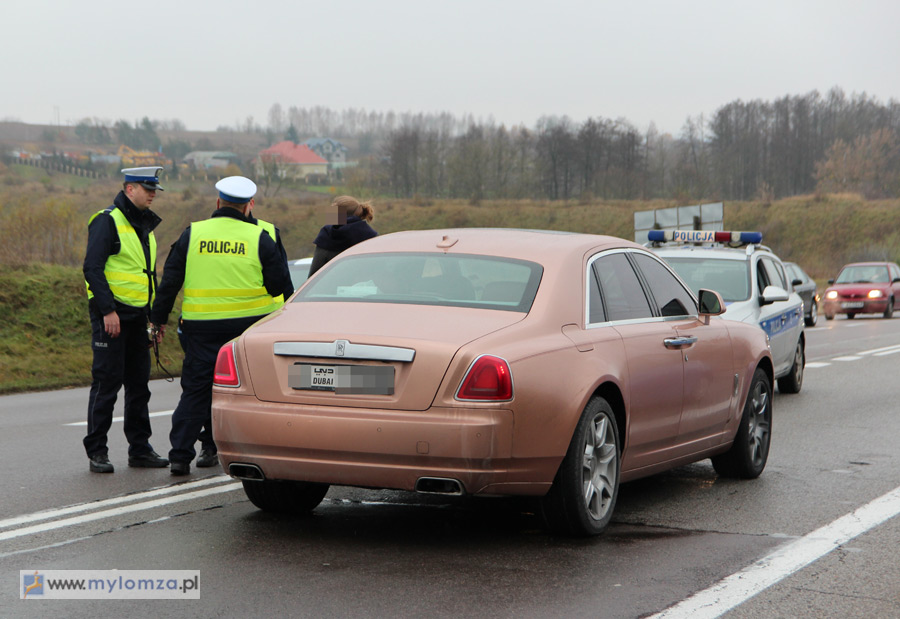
(428, 279)
(730, 278)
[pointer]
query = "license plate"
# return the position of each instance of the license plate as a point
(853, 305)
(342, 379)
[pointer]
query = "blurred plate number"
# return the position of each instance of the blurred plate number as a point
(342, 379)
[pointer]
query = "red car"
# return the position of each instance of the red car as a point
(864, 288)
(491, 362)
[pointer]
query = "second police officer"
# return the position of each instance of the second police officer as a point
(233, 272)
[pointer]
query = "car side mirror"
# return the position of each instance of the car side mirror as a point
(711, 303)
(773, 294)
(830, 281)
(895, 280)
(797, 282)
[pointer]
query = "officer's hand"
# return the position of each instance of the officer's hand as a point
(159, 331)
(111, 324)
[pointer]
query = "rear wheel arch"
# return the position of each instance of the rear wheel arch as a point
(765, 364)
(613, 395)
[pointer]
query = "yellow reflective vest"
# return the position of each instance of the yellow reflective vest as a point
(129, 276)
(270, 228)
(223, 276)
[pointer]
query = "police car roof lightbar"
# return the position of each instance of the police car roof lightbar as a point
(704, 236)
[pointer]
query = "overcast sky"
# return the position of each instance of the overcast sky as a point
(210, 63)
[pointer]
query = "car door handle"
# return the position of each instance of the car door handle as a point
(679, 342)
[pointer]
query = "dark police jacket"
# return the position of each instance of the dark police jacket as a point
(276, 279)
(103, 241)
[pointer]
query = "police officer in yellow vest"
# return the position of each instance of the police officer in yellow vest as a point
(275, 233)
(120, 273)
(232, 272)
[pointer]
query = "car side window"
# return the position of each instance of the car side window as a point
(596, 313)
(620, 289)
(775, 273)
(670, 295)
(762, 277)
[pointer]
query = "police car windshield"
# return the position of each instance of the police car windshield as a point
(869, 274)
(427, 279)
(730, 278)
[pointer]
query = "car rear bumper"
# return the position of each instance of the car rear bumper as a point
(855, 306)
(372, 448)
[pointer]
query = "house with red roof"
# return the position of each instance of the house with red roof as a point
(290, 161)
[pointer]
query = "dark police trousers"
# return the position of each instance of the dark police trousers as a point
(118, 361)
(192, 419)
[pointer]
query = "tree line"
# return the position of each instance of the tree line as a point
(745, 150)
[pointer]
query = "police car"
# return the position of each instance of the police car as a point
(752, 281)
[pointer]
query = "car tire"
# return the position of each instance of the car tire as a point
(750, 450)
(813, 315)
(851, 316)
(889, 311)
(829, 316)
(583, 496)
(793, 380)
(285, 497)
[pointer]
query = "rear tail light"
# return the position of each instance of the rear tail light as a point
(488, 378)
(226, 374)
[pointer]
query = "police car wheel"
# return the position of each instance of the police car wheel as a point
(285, 497)
(793, 380)
(748, 454)
(584, 492)
(813, 316)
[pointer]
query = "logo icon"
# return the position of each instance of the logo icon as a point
(339, 347)
(33, 584)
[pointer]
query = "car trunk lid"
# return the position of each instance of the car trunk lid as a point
(364, 355)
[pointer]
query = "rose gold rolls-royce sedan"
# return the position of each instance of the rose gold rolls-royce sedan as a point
(491, 362)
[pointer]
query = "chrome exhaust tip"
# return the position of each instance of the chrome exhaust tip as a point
(246, 471)
(439, 485)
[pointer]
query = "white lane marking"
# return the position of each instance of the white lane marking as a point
(84, 423)
(127, 498)
(875, 351)
(817, 364)
(109, 513)
(847, 358)
(887, 352)
(736, 589)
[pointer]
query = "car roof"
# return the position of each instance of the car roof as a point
(704, 251)
(544, 246)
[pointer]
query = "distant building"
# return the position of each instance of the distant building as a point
(330, 150)
(208, 159)
(289, 160)
(105, 159)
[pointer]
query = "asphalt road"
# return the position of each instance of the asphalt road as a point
(808, 538)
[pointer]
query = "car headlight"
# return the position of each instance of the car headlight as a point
(831, 294)
(875, 294)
